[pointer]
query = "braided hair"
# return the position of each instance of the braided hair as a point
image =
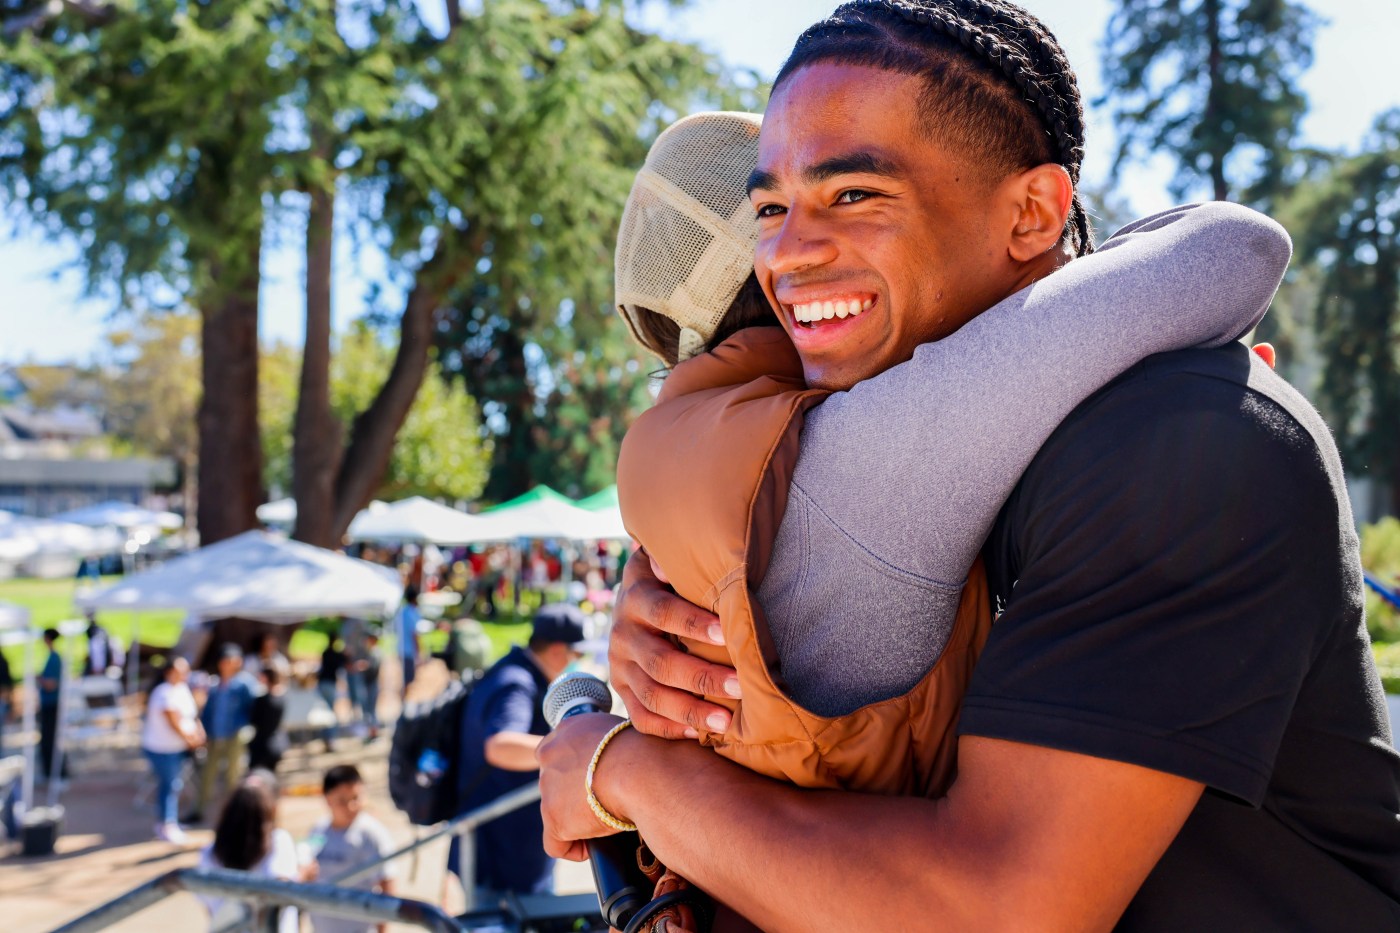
(996, 80)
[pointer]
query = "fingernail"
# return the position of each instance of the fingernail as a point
(717, 634)
(717, 722)
(691, 733)
(731, 687)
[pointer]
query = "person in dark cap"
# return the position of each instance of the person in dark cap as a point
(503, 724)
(225, 714)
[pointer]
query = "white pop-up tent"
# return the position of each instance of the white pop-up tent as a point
(123, 515)
(257, 575)
(422, 521)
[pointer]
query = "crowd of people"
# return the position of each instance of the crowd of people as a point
(238, 722)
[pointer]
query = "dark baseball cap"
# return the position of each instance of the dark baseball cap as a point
(230, 650)
(559, 622)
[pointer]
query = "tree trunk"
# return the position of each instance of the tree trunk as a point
(372, 435)
(230, 447)
(316, 432)
(1211, 118)
(189, 488)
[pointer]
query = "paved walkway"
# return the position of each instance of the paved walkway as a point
(107, 847)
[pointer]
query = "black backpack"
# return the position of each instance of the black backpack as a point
(423, 758)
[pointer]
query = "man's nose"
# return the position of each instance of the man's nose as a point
(801, 243)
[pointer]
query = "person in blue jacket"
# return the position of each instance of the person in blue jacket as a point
(225, 714)
(503, 724)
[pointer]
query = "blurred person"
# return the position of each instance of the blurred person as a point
(247, 838)
(171, 732)
(501, 729)
(328, 683)
(7, 692)
(50, 689)
(347, 839)
(406, 629)
(224, 716)
(269, 742)
(104, 651)
(269, 654)
(368, 669)
(468, 649)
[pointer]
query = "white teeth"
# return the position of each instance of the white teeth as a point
(826, 310)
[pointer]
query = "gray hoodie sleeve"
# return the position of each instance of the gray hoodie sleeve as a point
(943, 438)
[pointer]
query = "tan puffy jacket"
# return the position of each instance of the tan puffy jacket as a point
(703, 481)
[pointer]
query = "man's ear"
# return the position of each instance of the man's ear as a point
(1042, 198)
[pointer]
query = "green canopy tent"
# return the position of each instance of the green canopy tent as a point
(606, 499)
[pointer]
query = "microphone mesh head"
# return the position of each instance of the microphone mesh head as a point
(571, 690)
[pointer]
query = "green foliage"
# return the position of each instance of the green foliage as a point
(153, 385)
(439, 452)
(1211, 83)
(145, 136)
(1346, 220)
(1380, 555)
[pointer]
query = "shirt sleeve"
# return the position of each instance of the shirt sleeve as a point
(510, 709)
(954, 427)
(282, 861)
(1179, 555)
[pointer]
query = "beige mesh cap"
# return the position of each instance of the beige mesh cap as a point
(687, 237)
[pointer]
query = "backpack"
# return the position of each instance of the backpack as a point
(423, 757)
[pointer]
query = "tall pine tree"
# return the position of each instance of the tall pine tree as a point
(1346, 220)
(1213, 85)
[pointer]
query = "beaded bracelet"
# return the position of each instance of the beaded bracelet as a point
(604, 817)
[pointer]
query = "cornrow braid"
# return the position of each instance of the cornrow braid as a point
(978, 48)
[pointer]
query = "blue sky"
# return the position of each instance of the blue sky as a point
(43, 316)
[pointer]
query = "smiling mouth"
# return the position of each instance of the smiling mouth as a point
(813, 314)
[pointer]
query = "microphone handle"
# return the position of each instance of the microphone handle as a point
(622, 888)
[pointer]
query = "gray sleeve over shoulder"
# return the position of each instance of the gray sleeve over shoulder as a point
(943, 438)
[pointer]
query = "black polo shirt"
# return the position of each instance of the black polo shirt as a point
(1181, 587)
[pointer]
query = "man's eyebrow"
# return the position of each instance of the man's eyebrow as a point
(852, 163)
(761, 180)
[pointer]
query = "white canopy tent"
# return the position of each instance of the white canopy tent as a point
(257, 575)
(422, 521)
(37, 540)
(123, 515)
(278, 512)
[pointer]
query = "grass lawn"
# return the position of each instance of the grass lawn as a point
(51, 601)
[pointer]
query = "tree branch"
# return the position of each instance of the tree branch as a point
(95, 14)
(375, 429)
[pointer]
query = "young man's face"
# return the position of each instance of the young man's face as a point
(346, 802)
(859, 207)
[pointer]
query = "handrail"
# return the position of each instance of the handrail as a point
(350, 903)
(262, 890)
(458, 826)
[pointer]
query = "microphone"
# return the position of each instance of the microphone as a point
(622, 888)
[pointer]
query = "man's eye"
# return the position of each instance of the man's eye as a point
(853, 195)
(769, 210)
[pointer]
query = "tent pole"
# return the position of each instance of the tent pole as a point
(31, 698)
(133, 667)
(56, 763)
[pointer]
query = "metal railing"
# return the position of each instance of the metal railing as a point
(350, 903)
(327, 897)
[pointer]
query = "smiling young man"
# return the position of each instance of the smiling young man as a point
(1175, 724)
